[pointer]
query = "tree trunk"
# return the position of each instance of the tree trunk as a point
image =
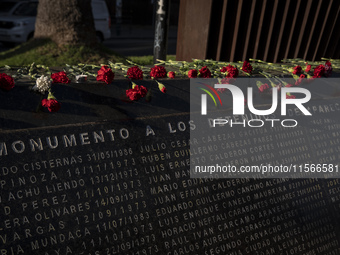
(66, 22)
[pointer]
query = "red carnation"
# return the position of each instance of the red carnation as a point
(51, 104)
(105, 74)
(224, 81)
(246, 67)
(297, 70)
(224, 69)
(171, 75)
(290, 96)
(309, 80)
(6, 82)
(308, 67)
(161, 87)
(136, 93)
(328, 68)
(135, 73)
(132, 94)
(60, 77)
(263, 87)
(299, 80)
(142, 90)
(205, 72)
(319, 71)
(192, 73)
(232, 72)
(227, 80)
(158, 72)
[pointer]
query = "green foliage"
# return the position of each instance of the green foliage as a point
(47, 53)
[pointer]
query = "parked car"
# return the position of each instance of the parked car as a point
(102, 19)
(17, 20)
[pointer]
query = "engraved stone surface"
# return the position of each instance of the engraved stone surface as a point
(104, 176)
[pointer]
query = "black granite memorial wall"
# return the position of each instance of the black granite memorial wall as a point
(120, 183)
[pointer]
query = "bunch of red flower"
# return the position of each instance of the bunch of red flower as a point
(297, 69)
(136, 93)
(192, 73)
(60, 77)
(6, 82)
(135, 73)
(105, 74)
(323, 70)
(205, 72)
(290, 96)
(319, 71)
(158, 72)
(232, 72)
(51, 104)
(246, 67)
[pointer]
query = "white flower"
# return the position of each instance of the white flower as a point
(43, 84)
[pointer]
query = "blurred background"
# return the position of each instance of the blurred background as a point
(132, 24)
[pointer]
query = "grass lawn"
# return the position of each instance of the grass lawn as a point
(46, 52)
(148, 60)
